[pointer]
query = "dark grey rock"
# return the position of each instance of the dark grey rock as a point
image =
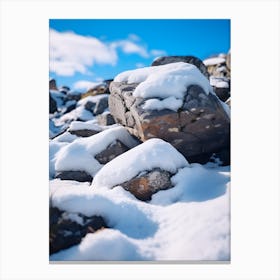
(52, 105)
(69, 106)
(111, 152)
(188, 59)
(74, 96)
(101, 106)
(105, 119)
(64, 233)
(90, 106)
(222, 93)
(80, 176)
(83, 132)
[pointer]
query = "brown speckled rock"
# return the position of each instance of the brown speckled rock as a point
(144, 186)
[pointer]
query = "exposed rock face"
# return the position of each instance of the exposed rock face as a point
(83, 132)
(145, 185)
(66, 231)
(90, 106)
(97, 108)
(101, 105)
(222, 92)
(111, 152)
(52, 84)
(221, 86)
(105, 119)
(199, 128)
(188, 59)
(74, 95)
(69, 106)
(52, 105)
(80, 176)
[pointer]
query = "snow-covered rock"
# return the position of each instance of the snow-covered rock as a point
(221, 86)
(80, 154)
(84, 129)
(154, 153)
(174, 102)
(68, 229)
(214, 61)
(187, 59)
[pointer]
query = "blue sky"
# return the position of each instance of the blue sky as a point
(83, 52)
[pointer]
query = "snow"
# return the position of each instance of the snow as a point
(74, 217)
(54, 148)
(154, 153)
(214, 61)
(85, 149)
(93, 99)
(53, 129)
(219, 82)
(188, 222)
(90, 125)
(96, 247)
(171, 103)
(65, 137)
(79, 113)
(165, 80)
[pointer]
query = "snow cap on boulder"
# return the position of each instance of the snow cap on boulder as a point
(154, 153)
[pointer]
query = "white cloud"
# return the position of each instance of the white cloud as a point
(158, 52)
(71, 53)
(85, 85)
(130, 47)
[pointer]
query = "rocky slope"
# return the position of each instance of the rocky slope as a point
(153, 136)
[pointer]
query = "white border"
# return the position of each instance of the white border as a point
(255, 135)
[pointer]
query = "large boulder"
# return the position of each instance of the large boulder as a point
(197, 128)
(180, 58)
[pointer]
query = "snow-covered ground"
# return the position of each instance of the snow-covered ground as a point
(188, 222)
